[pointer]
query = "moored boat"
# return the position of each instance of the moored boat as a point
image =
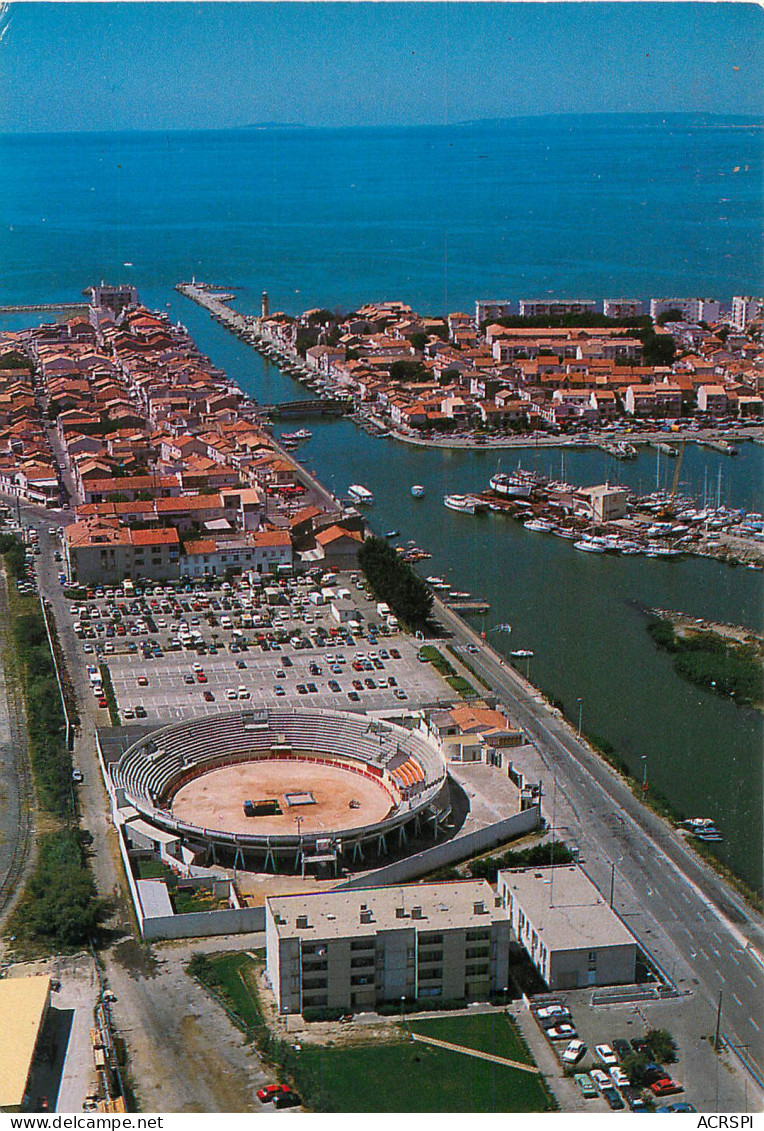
(417, 490)
(360, 494)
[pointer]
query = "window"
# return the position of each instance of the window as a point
(431, 973)
(314, 983)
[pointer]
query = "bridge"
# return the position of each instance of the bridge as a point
(32, 308)
(319, 407)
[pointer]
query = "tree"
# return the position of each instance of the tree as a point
(395, 582)
(672, 315)
(418, 341)
(634, 1066)
(408, 371)
(662, 1045)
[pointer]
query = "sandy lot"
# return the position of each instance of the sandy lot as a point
(215, 800)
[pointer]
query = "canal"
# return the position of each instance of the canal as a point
(578, 613)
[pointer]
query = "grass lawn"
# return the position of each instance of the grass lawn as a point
(407, 1076)
(487, 1032)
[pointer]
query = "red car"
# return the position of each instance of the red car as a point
(665, 1087)
(102, 702)
(268, 1094)
(201, 677)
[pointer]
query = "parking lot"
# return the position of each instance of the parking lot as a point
(178, 651)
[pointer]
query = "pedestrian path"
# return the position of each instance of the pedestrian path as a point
(475, 1052)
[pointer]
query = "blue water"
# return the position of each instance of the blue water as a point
(581, 207)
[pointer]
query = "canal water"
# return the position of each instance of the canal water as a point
(578, 613)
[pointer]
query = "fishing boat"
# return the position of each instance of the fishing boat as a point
(590, 546)
(360, 494)
(517, 486)
(417, 490)
(522, 653)
(392, 533)
(466, 504)
(540, 525)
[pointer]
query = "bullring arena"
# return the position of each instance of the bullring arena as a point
(279, 789)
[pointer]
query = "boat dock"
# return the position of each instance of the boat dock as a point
(723, 446)
(468, 605)
(662, 446)
(52, 307)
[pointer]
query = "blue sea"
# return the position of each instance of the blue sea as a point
(576, 206)
(587, 207)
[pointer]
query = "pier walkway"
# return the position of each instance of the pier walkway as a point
(35, 307)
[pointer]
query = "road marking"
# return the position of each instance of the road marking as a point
(700, 948)
(750, 979)
(756, 1027)
(718, 953)
(718, 971)
(737, 999)
(735, 960)
(716, 937)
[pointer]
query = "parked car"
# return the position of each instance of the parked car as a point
(653, 1072)
(585, 1085)
(561, 1032)
(613, 1100)
(287, 1099)
(552, 1011)
(622, 1048)
(633, 1097)
(600, 1078)
(665, 1087)
(619, 1077)
(268, 1094)
(574, 1052)
(605, 1054)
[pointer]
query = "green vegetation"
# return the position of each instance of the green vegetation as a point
(709, 660)
(51, 762)
(404, 1075)
(661, 1049)
(551, 852)
(466, 664)
(12, 548)
(657, 349)
(60, 909)
(592, 319)
(108, 691)
(409, 371)
(395, 582)
(459, 684)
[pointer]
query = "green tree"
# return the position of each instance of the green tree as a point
(672, 315)
(662, 1045)
(395, 582)
(408, 371)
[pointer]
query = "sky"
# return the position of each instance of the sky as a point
(120, 66)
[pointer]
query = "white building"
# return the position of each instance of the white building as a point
(353, 949)
(622, 307)
(693, 309)
(554, 308)
(745, 309)
(488, 310)
(568, 930)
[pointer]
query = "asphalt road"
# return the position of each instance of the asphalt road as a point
(694, 925)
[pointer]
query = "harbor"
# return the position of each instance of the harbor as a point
(581, 623)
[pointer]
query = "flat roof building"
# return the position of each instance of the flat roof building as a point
(352, 950)
(23, 1007)
(568, 930)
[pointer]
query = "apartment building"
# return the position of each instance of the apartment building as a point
(569, 932)
(98, 552)
(622, 307)
(745, 309)
(355, 949)
(555, 308)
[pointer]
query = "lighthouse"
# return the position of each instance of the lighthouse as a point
(264, 305)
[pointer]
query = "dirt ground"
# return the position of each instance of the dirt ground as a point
(215, 800)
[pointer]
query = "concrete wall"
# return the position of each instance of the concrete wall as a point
(201, 924)
(612, 966)
(450, 852)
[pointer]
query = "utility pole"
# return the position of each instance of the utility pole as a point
(580, 715)
(718, 1022)
(612, 881)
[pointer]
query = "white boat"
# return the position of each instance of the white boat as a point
(361, 495)
(517, 486)
(540, 525)
(589, 547)
(417, 490)
(522, 653)
(466, 504)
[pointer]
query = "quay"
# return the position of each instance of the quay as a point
(33, 308)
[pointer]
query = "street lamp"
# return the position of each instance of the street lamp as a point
(644, 773)
(580, 714)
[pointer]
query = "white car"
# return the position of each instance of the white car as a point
(619, 1077)
(547, 1011)
(600, 1078)
(606, 1055)
(230, 693)
(573, 1052)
